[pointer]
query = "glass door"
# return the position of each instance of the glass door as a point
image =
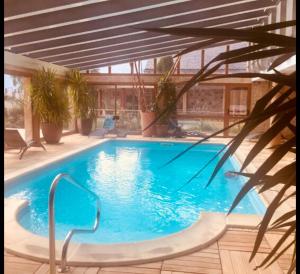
(237, 107)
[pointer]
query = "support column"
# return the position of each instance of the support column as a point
(277, 140)
(31, 121)
(283, 5)
(294, 18)
(202, 58)
(122, 98)
(289, 16)
(226, 65)
(178, 67)
(277, 16)
(249, 99)
(155, 91)
(131, 68)
(115, 99)
(100, 98)
(259, 89)
(184, 103)
(226, 108)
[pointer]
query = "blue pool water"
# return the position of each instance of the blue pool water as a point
(139, 199)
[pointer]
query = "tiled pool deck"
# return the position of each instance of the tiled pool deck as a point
(229, 254)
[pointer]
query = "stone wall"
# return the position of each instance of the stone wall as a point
(206, 99)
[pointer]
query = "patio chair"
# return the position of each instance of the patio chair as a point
(13, 139)
(174, 129)
(109, 126)
(177, 131)
(195, 134)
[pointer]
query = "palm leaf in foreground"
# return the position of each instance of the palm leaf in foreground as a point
(276, 102)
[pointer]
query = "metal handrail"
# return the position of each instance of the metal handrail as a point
(67, 240)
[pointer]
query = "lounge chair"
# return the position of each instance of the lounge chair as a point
(109, 126)
(13, 139)
(195, 134)
(175, 130)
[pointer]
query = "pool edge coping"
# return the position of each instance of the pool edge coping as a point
(14, 175)
(209, 228)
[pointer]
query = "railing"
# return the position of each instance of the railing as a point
(110, 111)
(52, 258)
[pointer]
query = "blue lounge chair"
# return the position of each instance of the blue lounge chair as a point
(109, 126)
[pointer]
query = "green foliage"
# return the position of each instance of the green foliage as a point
(164, 64)
(279, 104)
(14, 116)
(14, 105)
(49, 98)
(84, 99)
(17, 83)
(165, 99)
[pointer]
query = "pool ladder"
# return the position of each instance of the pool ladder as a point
(63, 267)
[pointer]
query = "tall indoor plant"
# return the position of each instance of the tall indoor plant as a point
(147, 117)
(147, 113)
(83, 100)
(165, 99)
(50, 103)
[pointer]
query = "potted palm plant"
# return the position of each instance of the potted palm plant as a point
(165, 99)
(148, 115)
(83, 100)
(50, 103)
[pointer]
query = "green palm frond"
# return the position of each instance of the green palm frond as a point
(49, 98)
(278, 104)
(83, 97)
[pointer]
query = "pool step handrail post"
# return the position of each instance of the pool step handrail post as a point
(52, 257)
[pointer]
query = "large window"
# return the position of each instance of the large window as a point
(211, 53)
(13, 102)
(122, 68)
(103, 70)
(241, 66)
(190, 62)
(122, 101)
(207, 108)
(147, 66)
(206, 99)
(238, 101)
(238, 107)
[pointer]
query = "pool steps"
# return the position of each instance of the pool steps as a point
(63, 262)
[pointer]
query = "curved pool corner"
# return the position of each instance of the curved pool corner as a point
(21, 242)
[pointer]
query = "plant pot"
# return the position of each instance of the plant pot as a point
(85, 126)
(146, 119)
(162, 130)
(51, 132)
